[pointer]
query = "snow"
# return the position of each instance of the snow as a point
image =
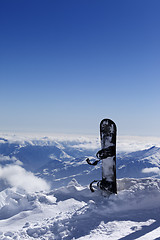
(74, 212)
(50, 199)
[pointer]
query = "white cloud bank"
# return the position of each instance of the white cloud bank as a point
(10, 159)
(151, 170)
(18, 177)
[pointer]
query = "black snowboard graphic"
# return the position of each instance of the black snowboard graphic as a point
(107, 154)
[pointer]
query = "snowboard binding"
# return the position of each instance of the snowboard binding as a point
(108, 156)
(102, 185)
(102, 154)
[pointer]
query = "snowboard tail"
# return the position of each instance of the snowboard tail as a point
(107, 154)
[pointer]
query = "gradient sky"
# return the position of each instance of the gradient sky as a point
(67, 64)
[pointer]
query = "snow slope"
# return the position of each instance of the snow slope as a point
(139, 163)
(44, 191)
(73, 212)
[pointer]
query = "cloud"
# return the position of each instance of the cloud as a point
(136, 143)
(18, 177)
(10, 159)
(151, 170)
(124, 143)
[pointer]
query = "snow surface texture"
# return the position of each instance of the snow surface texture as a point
(44, 191)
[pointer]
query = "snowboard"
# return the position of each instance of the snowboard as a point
(107, 154)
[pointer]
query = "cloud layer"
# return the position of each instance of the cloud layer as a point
(18, 177)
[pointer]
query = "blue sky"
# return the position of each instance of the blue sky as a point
(67, 64)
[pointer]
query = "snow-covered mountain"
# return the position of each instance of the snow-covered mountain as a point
(44, 191)
(58, 161)
(139, 164)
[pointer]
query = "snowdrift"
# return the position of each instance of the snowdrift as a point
(73, 212)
